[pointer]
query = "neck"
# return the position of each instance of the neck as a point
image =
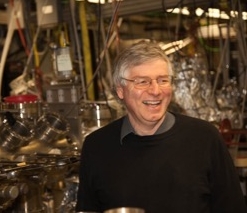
(148, 128)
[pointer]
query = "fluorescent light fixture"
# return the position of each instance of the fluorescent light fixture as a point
(199, 11)
(235, 14)
(95, 1)
(244, 15)
(99, 1)
(183, 10)
(211, 12)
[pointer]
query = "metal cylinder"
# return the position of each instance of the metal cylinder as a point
(9, 192)
(15, 136)
(50, 127)
(125, 210)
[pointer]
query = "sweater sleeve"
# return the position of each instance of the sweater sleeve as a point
(227, 196)
(86, 200)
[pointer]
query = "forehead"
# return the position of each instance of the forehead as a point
(149, 68)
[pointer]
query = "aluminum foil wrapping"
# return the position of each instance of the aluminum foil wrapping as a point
(193, 91)
(193, 88)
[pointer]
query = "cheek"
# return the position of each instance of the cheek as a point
(126, 93)
(168, 92)
(133, 94)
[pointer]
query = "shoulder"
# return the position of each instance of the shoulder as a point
(195, 125)
(102, 139)
(199, 133)
(107, 132)
(191, 120)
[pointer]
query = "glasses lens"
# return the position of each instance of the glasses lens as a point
(164, 81)
(142, 82)
(145, 82)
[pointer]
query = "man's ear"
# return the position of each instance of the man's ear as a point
(119, 91)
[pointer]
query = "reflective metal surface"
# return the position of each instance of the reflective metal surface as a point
(125, 210)
(38, 183)
(15, 135)
(50, 127)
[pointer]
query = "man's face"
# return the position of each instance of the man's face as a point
(146, 106)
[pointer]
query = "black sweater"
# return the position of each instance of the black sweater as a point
(185, 170)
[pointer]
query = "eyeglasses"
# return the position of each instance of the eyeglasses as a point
(145, 82)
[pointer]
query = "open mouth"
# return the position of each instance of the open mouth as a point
(151, 102)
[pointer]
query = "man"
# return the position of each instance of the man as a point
(153, 159)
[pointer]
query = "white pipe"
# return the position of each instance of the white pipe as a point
(11, 28)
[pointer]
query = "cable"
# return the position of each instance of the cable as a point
(102, 55)
(78, 45)
(106, 44)
(22, 37)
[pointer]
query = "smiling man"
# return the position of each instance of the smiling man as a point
(153, 159)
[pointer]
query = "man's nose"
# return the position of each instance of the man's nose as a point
(154, 87)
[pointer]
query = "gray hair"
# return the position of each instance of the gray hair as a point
(135, 55)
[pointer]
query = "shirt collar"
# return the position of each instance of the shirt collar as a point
(166, 125)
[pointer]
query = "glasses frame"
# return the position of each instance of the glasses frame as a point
(134, 81)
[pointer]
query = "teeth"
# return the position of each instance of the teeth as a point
(151, 102)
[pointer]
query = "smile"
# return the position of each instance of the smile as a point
(151, 102)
